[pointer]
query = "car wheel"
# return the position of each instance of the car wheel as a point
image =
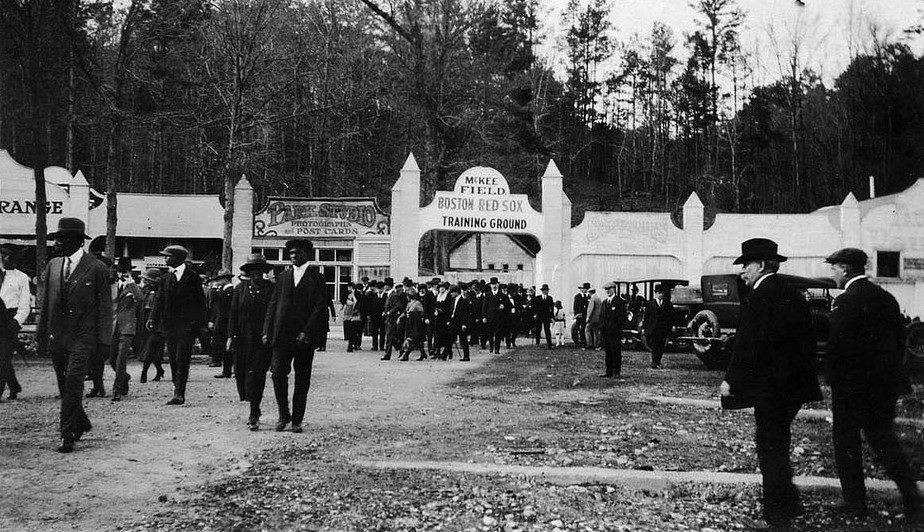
(705, 324)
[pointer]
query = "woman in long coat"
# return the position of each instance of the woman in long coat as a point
(245, 333)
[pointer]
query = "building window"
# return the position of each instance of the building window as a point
(506, 267)
(887, 263)
(271, 253)
(520, 267)
(326, 255)
(344, 255)
(490, 266)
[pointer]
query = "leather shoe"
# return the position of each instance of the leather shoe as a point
(253, 424)
(297, 428)
(223, 376)
(386, 357)
(67, 446)
(159, 376)
(93, 393)
(281, 424)
(13, 395)
(116, 398)
(177, 400)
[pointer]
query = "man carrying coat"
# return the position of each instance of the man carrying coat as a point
(865, 351)
(296, 322)
(180, 313)
(772, 370)
(75, 323)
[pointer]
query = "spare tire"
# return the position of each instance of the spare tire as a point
(705, 324)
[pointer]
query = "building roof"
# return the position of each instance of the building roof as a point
(528, 244)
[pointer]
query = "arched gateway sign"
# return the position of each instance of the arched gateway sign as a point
(481, 202)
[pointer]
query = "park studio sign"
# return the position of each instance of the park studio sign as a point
(481, 202)
(320, 218)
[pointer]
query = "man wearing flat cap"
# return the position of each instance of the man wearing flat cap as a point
(76, 322)
(180, 314)
(296, 322)
(865, 351)
(772, 369)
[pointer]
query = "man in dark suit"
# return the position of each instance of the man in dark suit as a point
(772, 370)
(97, 362)
(460, 320)
(375, 307)
(493, 307)
(580, 314)
(395, 305)
(126, 310)
(180, 314)
(296, 323)
(218, 301)
(865, 352)
(543, 312)
(657, 325)
(75, 322)
(612, 322)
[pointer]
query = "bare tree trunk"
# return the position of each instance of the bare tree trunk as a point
(112, 179)
(39, 161)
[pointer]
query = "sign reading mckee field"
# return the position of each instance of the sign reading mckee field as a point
(320, 217)
(481, 201)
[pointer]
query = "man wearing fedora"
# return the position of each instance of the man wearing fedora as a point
(246, 316)
(75, 322)
(772, 369)
(612, 322)
(865, 354)
(15, 305)
(180, 313)
(580, 315)
(395, 305)
(126, 310)
(543, 312)
(296, 320)
(493, 307)
(657, 323)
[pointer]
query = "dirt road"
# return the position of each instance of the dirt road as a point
(142, 452)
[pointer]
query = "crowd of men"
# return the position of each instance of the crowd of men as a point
(94, 312)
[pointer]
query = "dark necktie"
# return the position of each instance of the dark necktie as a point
(67, 269)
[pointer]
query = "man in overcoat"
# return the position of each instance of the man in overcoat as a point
(657, 323)
(493, 307)
(180, 314)
(592, 328)
(395, 305)
(460, 320)
(580, 315)
(76, 321)
(126, 311)
(772, 369)
(218, 300)
(543, 312)
(296, 323)
(612, 322)
(865, 353)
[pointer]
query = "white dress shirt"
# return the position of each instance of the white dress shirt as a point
(71, 262)
(178, 271)
(850, 282)
(298, 272)
(756, 284)
(15, 294)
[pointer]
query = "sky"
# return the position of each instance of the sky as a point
(830, 29)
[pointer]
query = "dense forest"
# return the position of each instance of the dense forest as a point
(327, 98)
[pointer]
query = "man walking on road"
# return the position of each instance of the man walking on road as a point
(612, 322)
(15, 305)
(296, 320)
(180, 313)
(772, 370)
(75, 323)
(865, 352)
(126, 310)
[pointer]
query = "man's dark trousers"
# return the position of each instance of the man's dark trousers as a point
(118, 357)
(179, 351)
(871, 413)
(258, 363)
(70, 369)
(288, 356)
(579, 325)
(544, 326)
(376, 327)
(613, 350)
(656, 342)
(773, 437)
(8, 342)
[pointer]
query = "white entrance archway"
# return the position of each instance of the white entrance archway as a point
(481, 202)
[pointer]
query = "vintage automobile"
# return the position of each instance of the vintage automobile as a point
(638, 293)
(711, 329)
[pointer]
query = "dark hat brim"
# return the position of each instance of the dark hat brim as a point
(68, 232)
(748, 257)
